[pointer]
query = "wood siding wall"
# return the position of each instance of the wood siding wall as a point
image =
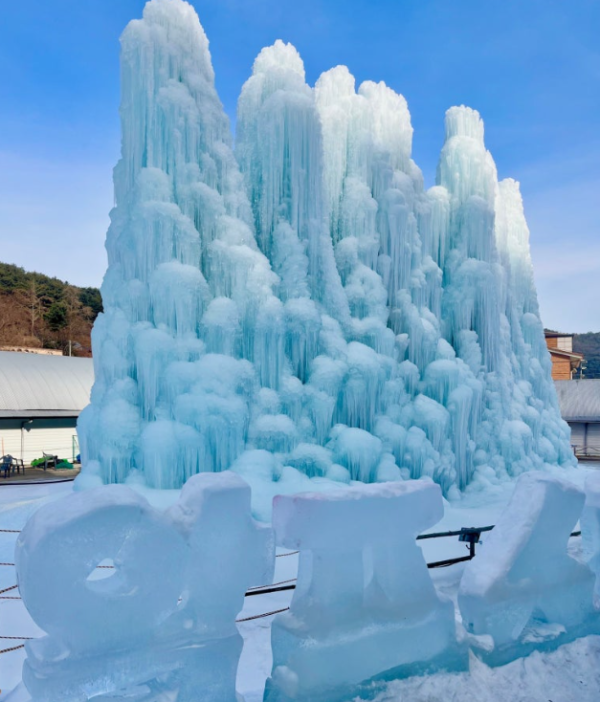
(41, 436)
(561, 367)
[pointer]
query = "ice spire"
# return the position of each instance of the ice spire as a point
(512, 241)
(352, 209)
(490, 310)
(468, 173)
(279, 147)
(530, 360)
(186, 280)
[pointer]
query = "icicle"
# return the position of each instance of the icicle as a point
(314, 302)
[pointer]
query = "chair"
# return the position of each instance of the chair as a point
(6, 464)
(50, 461)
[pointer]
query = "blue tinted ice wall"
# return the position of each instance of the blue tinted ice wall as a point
(307, 296)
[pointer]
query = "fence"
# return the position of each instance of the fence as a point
(469, 535)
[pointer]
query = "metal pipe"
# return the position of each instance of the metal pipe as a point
(23, 423)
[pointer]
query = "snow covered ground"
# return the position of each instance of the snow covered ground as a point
(570, 674)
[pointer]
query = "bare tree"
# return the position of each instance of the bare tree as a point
(29, 300)
(9, 321)
(76, 323)
(33, 305)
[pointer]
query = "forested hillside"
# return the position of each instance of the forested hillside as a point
(38, 311)
(589, 345)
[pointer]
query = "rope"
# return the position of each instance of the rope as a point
(448, 562)
(41, 482)
(259, 616)
(13, 565)
(269, 590)
(238, 621)
(283, 585)
(282, 582)
(257, 590)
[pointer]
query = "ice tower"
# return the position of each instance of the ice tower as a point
(188, 295)
(313, 311)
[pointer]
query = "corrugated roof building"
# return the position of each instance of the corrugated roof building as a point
(580, 407)
(40, 399)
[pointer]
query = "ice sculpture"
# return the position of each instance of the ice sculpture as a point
(364, 604)
(159, 619)
(315, 302)
(187, 294)
(590, 529)
(523, 589)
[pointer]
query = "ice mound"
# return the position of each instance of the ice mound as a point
(308, 291)
(364, 604)
(523, 589)
(160, 616)
(590, 528)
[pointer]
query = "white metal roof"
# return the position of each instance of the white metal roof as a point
(579, 400)
(35, 385)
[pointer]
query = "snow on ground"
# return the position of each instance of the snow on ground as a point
(570, 674)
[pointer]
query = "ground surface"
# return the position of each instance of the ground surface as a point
(570, 674)
(36, 475)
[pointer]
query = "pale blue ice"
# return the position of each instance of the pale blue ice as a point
(302, 307)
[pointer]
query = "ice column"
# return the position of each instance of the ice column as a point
(279, 147)
(590, 528)
(529, 356)
(185, 276)
(376, 204)
(364, 603)
(374, 194)
(352, 211)
(490, 315)
(471, 292)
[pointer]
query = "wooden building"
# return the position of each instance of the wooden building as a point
(565, 362)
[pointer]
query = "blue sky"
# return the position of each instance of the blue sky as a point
(531, 67)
